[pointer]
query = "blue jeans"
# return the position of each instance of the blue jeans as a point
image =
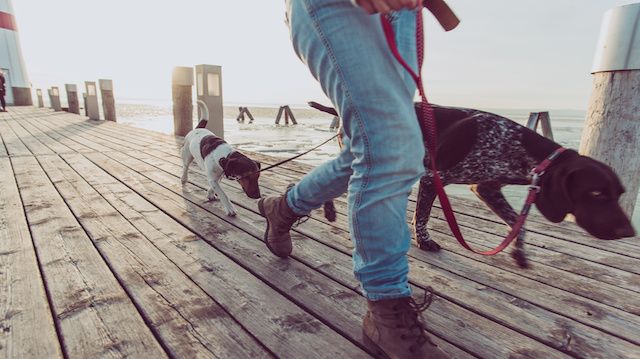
(347, 53)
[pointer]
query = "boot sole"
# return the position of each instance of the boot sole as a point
(370, 344)
(266, 232)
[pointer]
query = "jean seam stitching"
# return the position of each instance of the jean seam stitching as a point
(365, 179)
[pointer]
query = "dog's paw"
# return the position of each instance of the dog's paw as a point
(212, 196)
(329, 211)
(520, 258)
(429, 245)
(231, 213)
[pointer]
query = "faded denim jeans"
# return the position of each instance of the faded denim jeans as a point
(347, 53)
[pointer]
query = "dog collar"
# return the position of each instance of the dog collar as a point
(538, 171)
(224, 169)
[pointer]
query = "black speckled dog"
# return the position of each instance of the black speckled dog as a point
(488, 152)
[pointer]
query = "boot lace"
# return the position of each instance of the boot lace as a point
(410, 312)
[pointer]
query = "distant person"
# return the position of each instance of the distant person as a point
(345, 49)
(3, 89)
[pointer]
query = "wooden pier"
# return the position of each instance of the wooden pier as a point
(103, 253)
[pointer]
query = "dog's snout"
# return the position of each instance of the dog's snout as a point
(254, 195)
(625, 231)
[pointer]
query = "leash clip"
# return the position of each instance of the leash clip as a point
(535, 178)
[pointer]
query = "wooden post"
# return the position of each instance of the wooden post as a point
(72, 98)
(240, 118)
(279, 115)
(544, 120)
(108, 101)
(182, 88)
(91, 103)
(286, 115)
(612, 128)
(293, 118)
(55, 99)
(39, 96)
(246, 110)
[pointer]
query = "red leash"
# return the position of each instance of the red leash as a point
(429, 130)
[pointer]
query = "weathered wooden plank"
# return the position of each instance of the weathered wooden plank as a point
(3, 148)
(71, 133)
(36, 147)
(34, 126)
(27, 329)
(12, 143)
(29, 130)
(189, 323)
(469, 332)
(279, 324)
(535, 321)
(94, 315)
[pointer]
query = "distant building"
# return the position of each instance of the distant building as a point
(11, 60)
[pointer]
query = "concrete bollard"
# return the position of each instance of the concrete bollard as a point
(108, 101)
(40, 100)
(209, 90)
(55, 99)
(91, 103)
(84, 101)
(181, 92)
(612, 128)
(49, 92)
(72, 98)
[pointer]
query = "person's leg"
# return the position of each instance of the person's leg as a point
(346, 51)
(3, 104)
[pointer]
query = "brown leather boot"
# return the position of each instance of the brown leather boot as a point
(280, 218)
(395, 329)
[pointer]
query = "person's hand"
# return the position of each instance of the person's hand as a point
(386, 6)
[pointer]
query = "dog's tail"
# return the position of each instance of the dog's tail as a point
(323, 108)
(202, 124)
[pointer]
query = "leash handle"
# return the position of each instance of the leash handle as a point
(429, 130)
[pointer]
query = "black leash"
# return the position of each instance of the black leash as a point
(292, 158)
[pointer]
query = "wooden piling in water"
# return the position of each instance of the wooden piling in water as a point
(244, 111)
(612, 128)
(544, 120)
(108, 100)
(286, 110)
(181, 89)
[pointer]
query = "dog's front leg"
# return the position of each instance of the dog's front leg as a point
(228, 207)
(491, 194)
(426, 196)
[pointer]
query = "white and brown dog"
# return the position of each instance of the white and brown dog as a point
(217, 159)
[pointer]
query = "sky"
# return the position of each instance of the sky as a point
(524, 54)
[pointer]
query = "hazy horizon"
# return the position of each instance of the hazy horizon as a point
(520, 55)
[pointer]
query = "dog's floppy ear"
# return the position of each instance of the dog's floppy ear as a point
(553, 201)
(223, 162)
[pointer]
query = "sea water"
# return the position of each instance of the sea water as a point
(283, 141)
